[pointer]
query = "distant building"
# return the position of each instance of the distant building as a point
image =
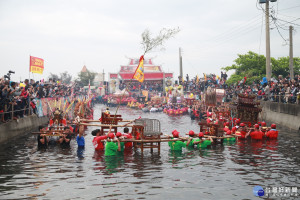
(99, 79)
(152, 72)
(84, 69)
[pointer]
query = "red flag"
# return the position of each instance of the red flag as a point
(139, 72)
(36, 65)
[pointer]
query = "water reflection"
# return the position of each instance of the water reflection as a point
(222, 171)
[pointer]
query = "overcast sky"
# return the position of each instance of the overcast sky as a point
(103, 34)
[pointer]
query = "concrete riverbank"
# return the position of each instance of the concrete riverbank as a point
(287, 115)
(21, 126)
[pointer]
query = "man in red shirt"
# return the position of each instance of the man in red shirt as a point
(128, 145)
(273, 133)
(241, 131)
(264, 127)
(256, 134)
(98, 140)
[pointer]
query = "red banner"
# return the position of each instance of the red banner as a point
(36, 65)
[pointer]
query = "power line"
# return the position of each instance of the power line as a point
(290, 22)
(226, 33)
(205, 51)
(290, 8)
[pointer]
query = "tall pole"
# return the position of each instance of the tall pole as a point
(291, 54)
(268, 57)
(180, 63)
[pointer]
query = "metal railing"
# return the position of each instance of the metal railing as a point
(286, 98)
(10, 113)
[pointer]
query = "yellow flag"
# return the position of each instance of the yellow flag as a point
(139, 72)
(197, 79)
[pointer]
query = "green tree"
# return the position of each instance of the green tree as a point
(281, 66)
(253, 66)
(66, 77)
(84, 77)
(54, 76)
(250, 65)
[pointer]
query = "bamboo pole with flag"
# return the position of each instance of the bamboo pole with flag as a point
(139, 72)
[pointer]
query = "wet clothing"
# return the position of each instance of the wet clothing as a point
(80, 141)
(229, 139)
(191, 145)
(111, 149)
(272, 134)
(128, 145)
(97, 142)
(122, 144)
(203, 144)
(256, 135)
(176, 145)
(40, 145)
(66, 144)
(242, 134)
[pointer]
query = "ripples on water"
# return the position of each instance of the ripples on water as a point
(221, 172)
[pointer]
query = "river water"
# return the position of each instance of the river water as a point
(228, 171)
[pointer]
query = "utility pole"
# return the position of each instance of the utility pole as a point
(291, 53)
(180, 63)
(268, 56)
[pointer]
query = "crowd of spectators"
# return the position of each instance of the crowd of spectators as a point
(284, 90)
(134, 86)
(18, 99)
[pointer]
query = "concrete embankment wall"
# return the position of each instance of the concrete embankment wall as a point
(287, 115)
(22, 126)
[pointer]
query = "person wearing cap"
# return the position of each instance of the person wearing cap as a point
(111, 147)
(264, 127)
(256, 134)
(229, 139)
(176, 145)
(273, 133)
(241, 131)
(201, 142)
(98, 140)
(119, 136)
(190, 142)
